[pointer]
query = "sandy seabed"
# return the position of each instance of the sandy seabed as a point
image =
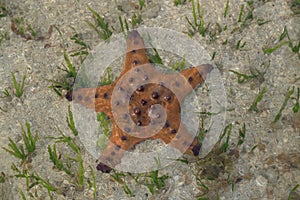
(265, 166)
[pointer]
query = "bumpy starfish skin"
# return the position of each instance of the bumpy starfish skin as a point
(160, 90)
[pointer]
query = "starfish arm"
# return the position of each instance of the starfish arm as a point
(170, 131)
(136, 52)
(197, 75)
(103, 99)
(110, 157)
(94, 98)
(184, 142)
(119, 143)
(193, 76)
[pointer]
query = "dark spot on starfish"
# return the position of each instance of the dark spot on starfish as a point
(120, 89)
(155, 95)
(105, 95)
(112, 153)
(166, 124)
(137, 111)
(133, 51)
(87, 98)
(190, 79)
(161, 84)
(103, 168)
(196, 149)
(173, 131)
(177, 84)
(69, 96)
(135, 62)
(96, 96)
(118, 147)
(143, 102)
(185, 143)
(117, 103)
(140, 88)
(131, 79)
(123, 137)
(145, 77)
(79, 97)
(125, 116)
(137, 70)
(168, 97)
(139, 123)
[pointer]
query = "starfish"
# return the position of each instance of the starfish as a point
(131, 104)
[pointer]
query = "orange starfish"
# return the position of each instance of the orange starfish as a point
(130, 102)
